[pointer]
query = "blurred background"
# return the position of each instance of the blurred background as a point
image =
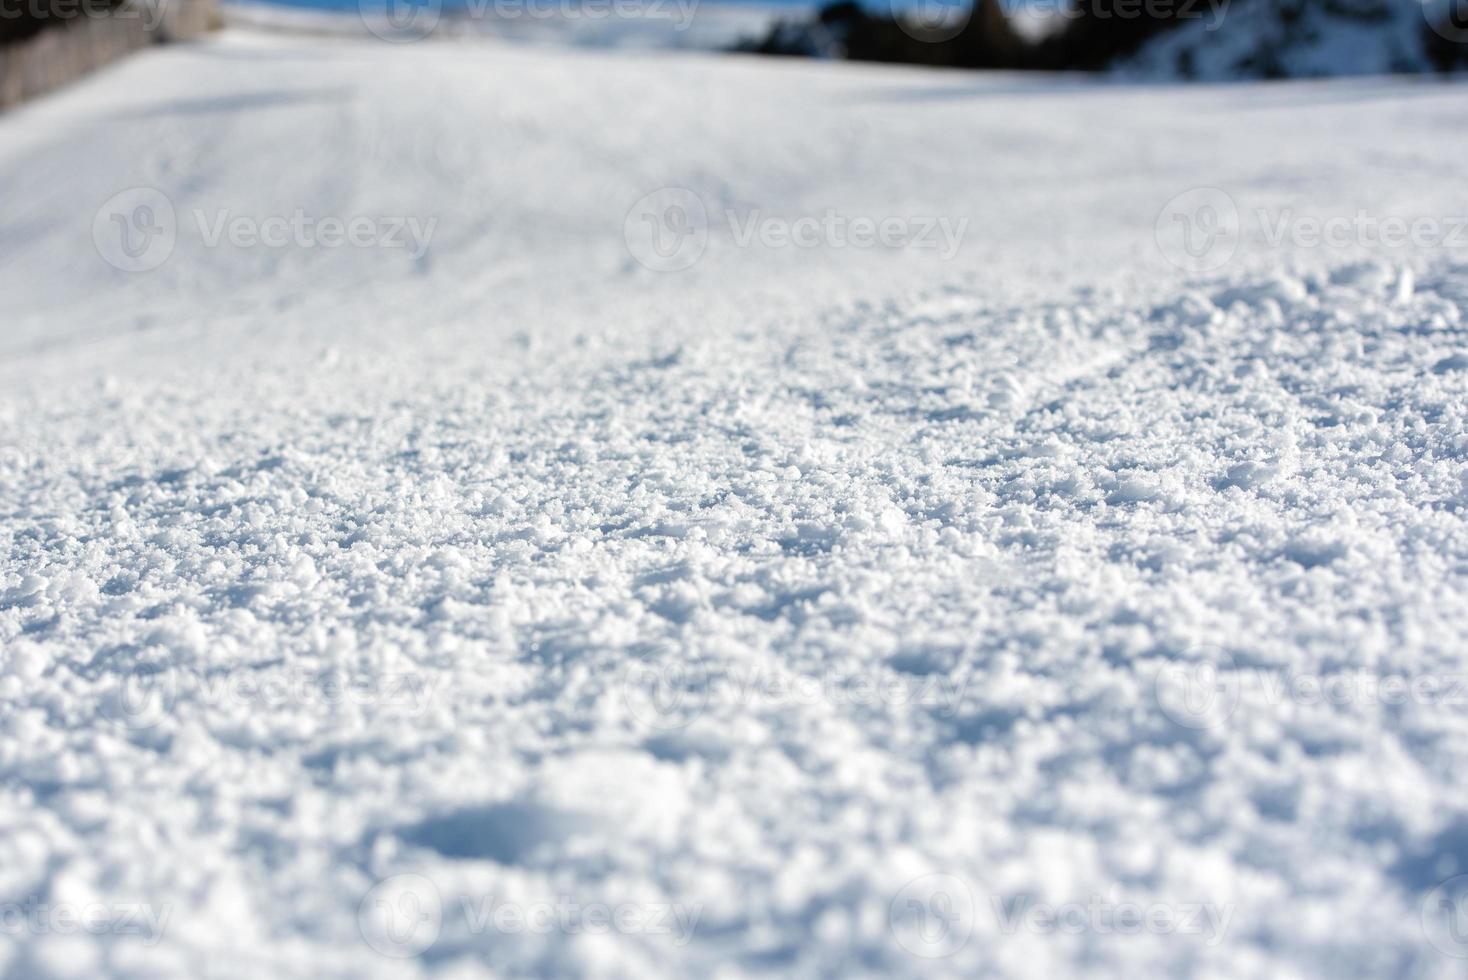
(45, 42)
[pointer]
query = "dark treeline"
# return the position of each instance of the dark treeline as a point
(1091, 36)
(983, 39)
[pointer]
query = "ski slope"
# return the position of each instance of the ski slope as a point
(595, 582)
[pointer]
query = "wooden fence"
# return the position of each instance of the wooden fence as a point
(45, 44)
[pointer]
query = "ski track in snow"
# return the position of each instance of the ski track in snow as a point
(759, 592)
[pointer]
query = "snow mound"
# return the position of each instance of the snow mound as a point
(518, 609)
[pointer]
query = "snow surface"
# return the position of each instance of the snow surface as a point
(823, 611)
(632, 24)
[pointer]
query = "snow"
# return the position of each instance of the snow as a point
(826, 609)
(628, 24)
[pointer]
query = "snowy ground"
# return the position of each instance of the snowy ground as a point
(696, 25)
(1080, 590)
